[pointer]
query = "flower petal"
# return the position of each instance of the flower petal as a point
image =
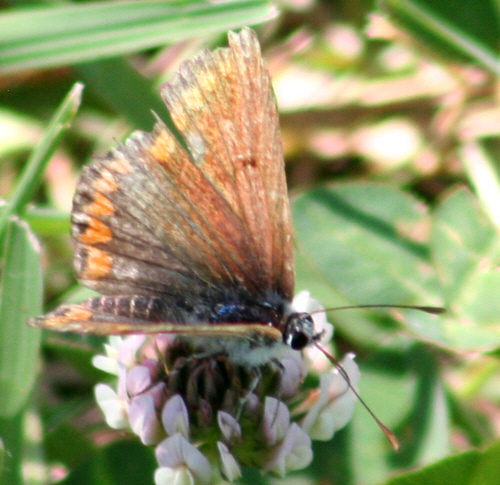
(171, 476)
(176, 452)
(323, 427)
(138, 380)
(230, 428)
(121, 387)
(113, 408)
(293, 453)
(105, 364)
(127, 353)
(109, 362)
(326, 381)
(144, 420)
(276, 420)
(293, 372)
(229, 466)
(300, 302)
(334, 406)
(175, 417)
(343, 407)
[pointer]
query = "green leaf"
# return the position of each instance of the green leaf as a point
(359, 243)
(459, 30)
(468, 468)
(101, 77)
(114, 466)
(425, 432)
(11, 454)
(2, 459)
(360, 238)
(47, 221)
(20, 298)
(51, 36)
(466, 249)
(480, 162)
(405, 393)
(32, 173)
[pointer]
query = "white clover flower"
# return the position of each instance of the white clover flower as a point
(174, 476)
(229, 426)
(293, 372)
(205, 414)
(144, 419)
(342, 407)
(138, 380)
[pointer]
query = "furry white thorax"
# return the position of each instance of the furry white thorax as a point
(241, 351)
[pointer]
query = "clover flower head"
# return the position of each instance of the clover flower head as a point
(207, 416)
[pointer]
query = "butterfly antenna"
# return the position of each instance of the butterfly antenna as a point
(393, 440)
(433, 310)
(388, 433)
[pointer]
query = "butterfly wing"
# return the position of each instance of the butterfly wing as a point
(121, 315)
(224, 106)
(151, 219)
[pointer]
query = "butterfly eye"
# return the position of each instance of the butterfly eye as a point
(299, 331)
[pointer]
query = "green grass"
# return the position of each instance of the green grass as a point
(394, 180)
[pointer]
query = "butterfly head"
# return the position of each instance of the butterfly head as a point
(299, 331)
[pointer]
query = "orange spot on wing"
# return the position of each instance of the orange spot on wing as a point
(100, 206)
(63, 318)
(97, 263)
(76, 313)
(96, 232)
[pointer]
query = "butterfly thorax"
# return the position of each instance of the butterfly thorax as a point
(237, 312)
(296, 329)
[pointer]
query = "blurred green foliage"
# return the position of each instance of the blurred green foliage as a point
(391, 132)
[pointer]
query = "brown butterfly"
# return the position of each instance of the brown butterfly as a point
(196, 242)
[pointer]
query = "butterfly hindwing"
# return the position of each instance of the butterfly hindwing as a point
(121, 315)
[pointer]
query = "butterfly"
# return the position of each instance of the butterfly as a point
(193, 238)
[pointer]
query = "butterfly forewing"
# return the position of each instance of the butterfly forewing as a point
(220, 103)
